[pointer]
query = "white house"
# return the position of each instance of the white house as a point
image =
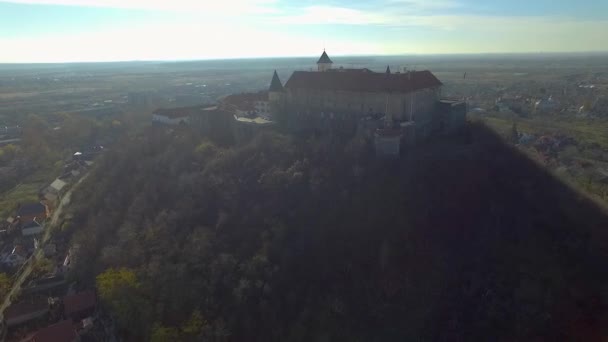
(547, 105)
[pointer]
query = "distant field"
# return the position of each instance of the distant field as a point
(584, 130)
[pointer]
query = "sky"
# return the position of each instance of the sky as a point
(118, 30)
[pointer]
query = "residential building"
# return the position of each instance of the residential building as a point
(59, 332)
(26, 311)
(29, 211)
(32, 228)
(80, 305)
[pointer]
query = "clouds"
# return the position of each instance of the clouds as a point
(324, 15)
(204, 6)
(189, 29)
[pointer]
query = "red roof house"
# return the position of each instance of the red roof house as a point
(80, 305)
(60, 332)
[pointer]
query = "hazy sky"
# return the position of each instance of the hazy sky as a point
(102, 30)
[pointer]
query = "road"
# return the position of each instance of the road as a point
(27, 268)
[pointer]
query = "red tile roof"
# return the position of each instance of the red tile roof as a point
(59, 332)
(342, 69)
(363, 81)
(79, 302)
(26, 307)
(245, 101)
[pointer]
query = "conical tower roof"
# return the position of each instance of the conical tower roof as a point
(324, 58)
(275, 84)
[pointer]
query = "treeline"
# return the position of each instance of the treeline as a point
(290, 239)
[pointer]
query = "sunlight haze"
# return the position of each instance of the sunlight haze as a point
(110, 30)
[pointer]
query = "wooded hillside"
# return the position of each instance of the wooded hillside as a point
(286, 239)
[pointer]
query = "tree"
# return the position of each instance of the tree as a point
(514, 133)
(113, 282)
(164, 334)
(195, 324)
(5, 284)
(120, 290)
(7, 153)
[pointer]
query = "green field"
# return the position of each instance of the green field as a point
(583, 130)
(26, 191)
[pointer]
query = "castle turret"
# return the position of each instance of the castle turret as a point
(276, 88)
(324, 63)
(275, 95)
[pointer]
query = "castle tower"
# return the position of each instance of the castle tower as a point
(275, 95)
(324, 63)
(276, 88)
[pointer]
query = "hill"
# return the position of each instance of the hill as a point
(292, 239)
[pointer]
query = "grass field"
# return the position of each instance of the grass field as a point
(26, 191)
(583, 130)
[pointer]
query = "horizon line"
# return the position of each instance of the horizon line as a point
(538, 53)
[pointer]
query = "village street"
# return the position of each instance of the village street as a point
(27, 267)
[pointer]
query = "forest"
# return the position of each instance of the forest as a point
(292, 238)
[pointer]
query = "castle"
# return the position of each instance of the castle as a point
(395, 109)
(399, 106)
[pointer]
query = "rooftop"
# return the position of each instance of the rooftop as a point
(26, 307)
(58, 184)
(31, 224)
(60, 332)
(31, 209)
(275, 84)
(324, 58)
(363, 81)
(79, 302)
(256, 120)
(244, 101)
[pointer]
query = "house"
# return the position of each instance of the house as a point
(59, 332)
(80, 305)
(50, 250)
(26, 311)
(57, 186)
(546, 105)
(29, 211)
(32, 228)
(49, 284)
(173, 116)
(15, 259)
(246, 104)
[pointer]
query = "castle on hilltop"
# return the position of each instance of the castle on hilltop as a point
(399, 107)
(395, 109)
